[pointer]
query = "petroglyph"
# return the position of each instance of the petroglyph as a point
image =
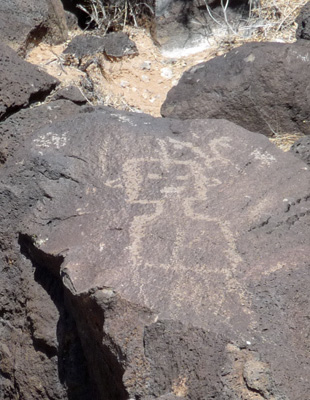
(51, 139)
(165, 221)
(264, 157)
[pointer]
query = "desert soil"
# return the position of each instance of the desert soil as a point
(140, 83)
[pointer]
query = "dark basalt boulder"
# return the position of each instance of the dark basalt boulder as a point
(301, 149)
(175, 263)
(303, 22)
(25, 23)
(115, 45)
(260, 86)
(21, 82)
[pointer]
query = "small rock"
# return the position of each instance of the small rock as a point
(145, 78)
(124, 84)
(72, 93)
(166, 73)
(146, 65)
(301, 149)
(114, 45)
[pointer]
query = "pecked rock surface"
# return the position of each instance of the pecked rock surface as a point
(21, 82)
(260, 86)
(173, 257)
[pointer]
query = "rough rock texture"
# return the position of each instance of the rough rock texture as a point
(40, 351)
(301, 149)
(303, 22)
(174, 256)
(181, 24)
(72, 93)
(21, 83)
(24, 23)
(260, 86)
(113, 45)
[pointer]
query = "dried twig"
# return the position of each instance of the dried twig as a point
(116, 15)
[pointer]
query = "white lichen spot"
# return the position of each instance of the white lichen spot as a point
(265, 158)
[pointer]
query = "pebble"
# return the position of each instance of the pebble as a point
(145, 78)
(166, 73)
(146, 65)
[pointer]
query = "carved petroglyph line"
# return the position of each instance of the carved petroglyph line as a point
(144, 180)
(165, 158)
(104, 148)
(137, 230)
(214, 145)
(265, 157)
(51, 139)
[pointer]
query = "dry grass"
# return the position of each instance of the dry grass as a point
(275, 20)
(180, 387)
(115, 15)
(285, 141)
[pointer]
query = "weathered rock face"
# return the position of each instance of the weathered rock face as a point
(21, 82)
(182, 24)
(303, 22)
(24, 23)
(181, 249)
(40, 351)
(260, 86)
(301, 149)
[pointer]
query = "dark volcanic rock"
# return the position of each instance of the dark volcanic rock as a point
(21, 83)
(303, 22)
(85, 45)
(260, 86)
(113, 45)
(24, 23)
(118, 45)
(301, 149)
(40, 351)
(72, 93)
(182, 258)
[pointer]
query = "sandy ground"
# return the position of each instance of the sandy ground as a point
(140, 83)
